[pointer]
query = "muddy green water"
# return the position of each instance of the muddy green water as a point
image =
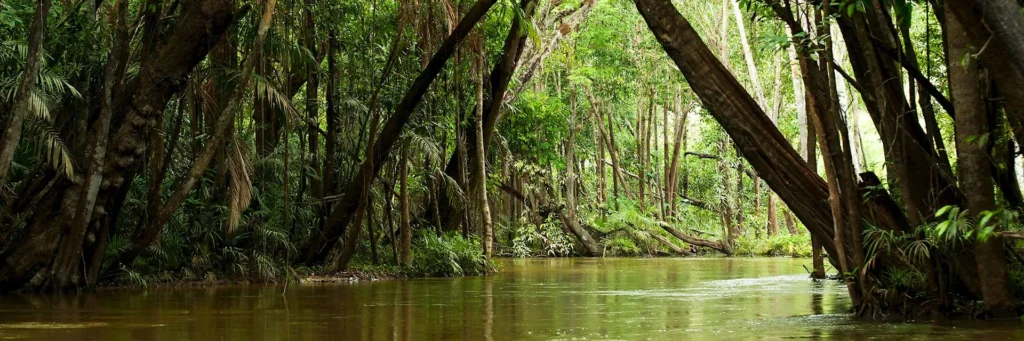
(537, 299)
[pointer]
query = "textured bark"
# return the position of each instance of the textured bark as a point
(1003, 18)
(69, 252)
(322, 243)
(972, 164)
(26, 86)
(187, 42)
(225, 119)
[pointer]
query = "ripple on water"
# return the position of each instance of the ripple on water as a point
(52, 325)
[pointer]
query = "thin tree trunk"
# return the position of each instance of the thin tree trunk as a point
(333, 122)
(403, 202)
(371, 229)
(26, 88)
(312, 103)
(480, 173)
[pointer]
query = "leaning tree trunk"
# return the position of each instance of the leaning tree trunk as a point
(500, 77)
(766, 149)
(69, 252)
(322, 243)
(225, 118)
(26, 89)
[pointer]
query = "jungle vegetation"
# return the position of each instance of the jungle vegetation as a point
(151, 140)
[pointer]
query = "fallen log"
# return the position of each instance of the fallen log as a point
(675, 248)
(694, 240)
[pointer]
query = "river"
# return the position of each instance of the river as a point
(530, 299)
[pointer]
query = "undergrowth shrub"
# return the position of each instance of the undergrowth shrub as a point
(448, 256)
(777, 245)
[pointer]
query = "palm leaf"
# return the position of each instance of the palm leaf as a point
(240, 194)
(54, 150)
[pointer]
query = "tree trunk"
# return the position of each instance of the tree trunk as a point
(162, 75)
(213, 145)
(333, 121)
(784, 171)
(480, 163)
(403, 202)
(321, 244)
(69, 252)
(972, 163)
(312, 103)
(499, 80)
(26, 89)
(720, 247)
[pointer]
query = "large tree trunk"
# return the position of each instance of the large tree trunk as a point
(188, 41)
(225, 119)
(974, 172)
(766, 149)
(322, 243)
(70, 250)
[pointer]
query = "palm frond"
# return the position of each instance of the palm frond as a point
(240, 194)
(54, 150)
(266, 91)
(428, 146)
(456, 197)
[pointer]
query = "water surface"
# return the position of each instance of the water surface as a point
(533, 299)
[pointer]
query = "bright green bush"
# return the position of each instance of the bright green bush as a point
(777, 245)
(448, 256)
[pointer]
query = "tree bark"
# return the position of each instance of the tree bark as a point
(188, 41)
(972, 163)
(694, 240)
(500, 77)
(70, 250)
(213, 145)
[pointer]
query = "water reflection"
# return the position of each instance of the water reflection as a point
(538, 299)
